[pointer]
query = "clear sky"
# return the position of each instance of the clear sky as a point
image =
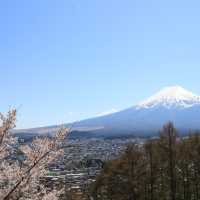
(67, 60)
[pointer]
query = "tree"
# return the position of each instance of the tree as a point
(168, 139)
(20, 179)
(152, 168)
(166, 168)
(123, 178)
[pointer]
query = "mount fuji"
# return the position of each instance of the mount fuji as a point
(175, 104)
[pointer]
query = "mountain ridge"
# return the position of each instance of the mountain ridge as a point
(174, 103)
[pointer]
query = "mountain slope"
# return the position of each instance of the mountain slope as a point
(146, 118)
(170, 104)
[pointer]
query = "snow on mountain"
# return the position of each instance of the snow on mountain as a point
(107, 112)
(174, 96)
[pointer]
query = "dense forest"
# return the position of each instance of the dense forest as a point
(165, 168)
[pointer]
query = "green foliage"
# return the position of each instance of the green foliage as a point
(50, 173)
(167, 168)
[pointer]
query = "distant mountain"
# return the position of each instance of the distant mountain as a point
(146, 118)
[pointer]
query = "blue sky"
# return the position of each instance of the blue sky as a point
(67, 60)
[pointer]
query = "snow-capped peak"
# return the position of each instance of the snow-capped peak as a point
(174, 96)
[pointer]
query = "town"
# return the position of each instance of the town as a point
(82, 162)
